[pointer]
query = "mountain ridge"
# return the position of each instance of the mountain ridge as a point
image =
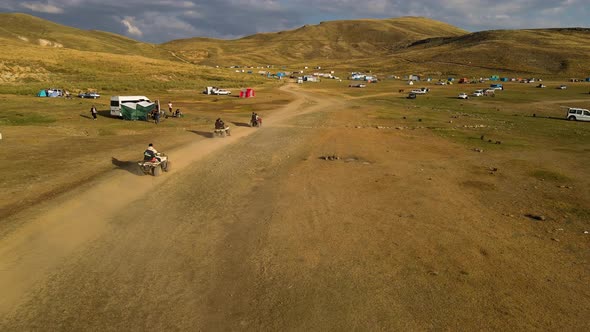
(405, 44)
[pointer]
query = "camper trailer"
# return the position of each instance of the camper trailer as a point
(116, 102)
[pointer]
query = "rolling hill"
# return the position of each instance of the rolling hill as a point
(41, 53)
(26, 30)
(331, 41)
(553, 52)
(404, 44)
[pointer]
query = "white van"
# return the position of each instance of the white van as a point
(578, 114)
(117, 100)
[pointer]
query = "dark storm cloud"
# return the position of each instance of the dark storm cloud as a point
(159, 21)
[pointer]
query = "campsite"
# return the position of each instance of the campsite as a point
(351, 208)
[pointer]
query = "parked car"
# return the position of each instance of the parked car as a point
(541, 86)
(211, 90)
(92, 95)
(578, 114)
(357, 86)
(478, 93)
(420, 91)
(463, 95)
(222, 92)
(562, 87)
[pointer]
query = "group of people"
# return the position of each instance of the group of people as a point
(157, 113)
(255, 120)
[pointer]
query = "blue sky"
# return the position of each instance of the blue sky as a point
(160, 21)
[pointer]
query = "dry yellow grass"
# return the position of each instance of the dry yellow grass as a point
(328, 41)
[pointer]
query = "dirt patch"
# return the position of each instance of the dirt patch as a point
(479, 185)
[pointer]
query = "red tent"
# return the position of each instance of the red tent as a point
(247, 93)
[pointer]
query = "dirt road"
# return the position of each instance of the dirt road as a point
(255, 231)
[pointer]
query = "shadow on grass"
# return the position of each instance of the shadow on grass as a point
(206, 134)
(241, 124)
(104, 113)
(129, 166)
(547, 117)
(86, 116)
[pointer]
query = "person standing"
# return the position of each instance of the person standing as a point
(170, 107)
(93, 112)
(156, 117)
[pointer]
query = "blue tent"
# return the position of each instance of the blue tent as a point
(42, 93)
(504, 79)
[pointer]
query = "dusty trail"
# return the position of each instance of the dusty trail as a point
(56, 229)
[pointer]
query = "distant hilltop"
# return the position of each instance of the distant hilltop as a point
(413, 44)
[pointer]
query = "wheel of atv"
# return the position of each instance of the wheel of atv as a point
(157, 170)
(142, 170)
(167, 168)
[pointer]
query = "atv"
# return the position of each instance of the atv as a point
(220, 132)
(156, 165)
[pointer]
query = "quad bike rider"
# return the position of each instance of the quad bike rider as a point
(220, 128)
(153, 161)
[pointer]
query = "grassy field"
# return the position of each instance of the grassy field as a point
(411, 205)
(29, 69)
(520, 119)
(520, 152)
(52, 144)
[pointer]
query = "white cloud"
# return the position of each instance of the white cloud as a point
(268, 5)
(193, 14)
(42, 7)
(176, 4)
(132, 29)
